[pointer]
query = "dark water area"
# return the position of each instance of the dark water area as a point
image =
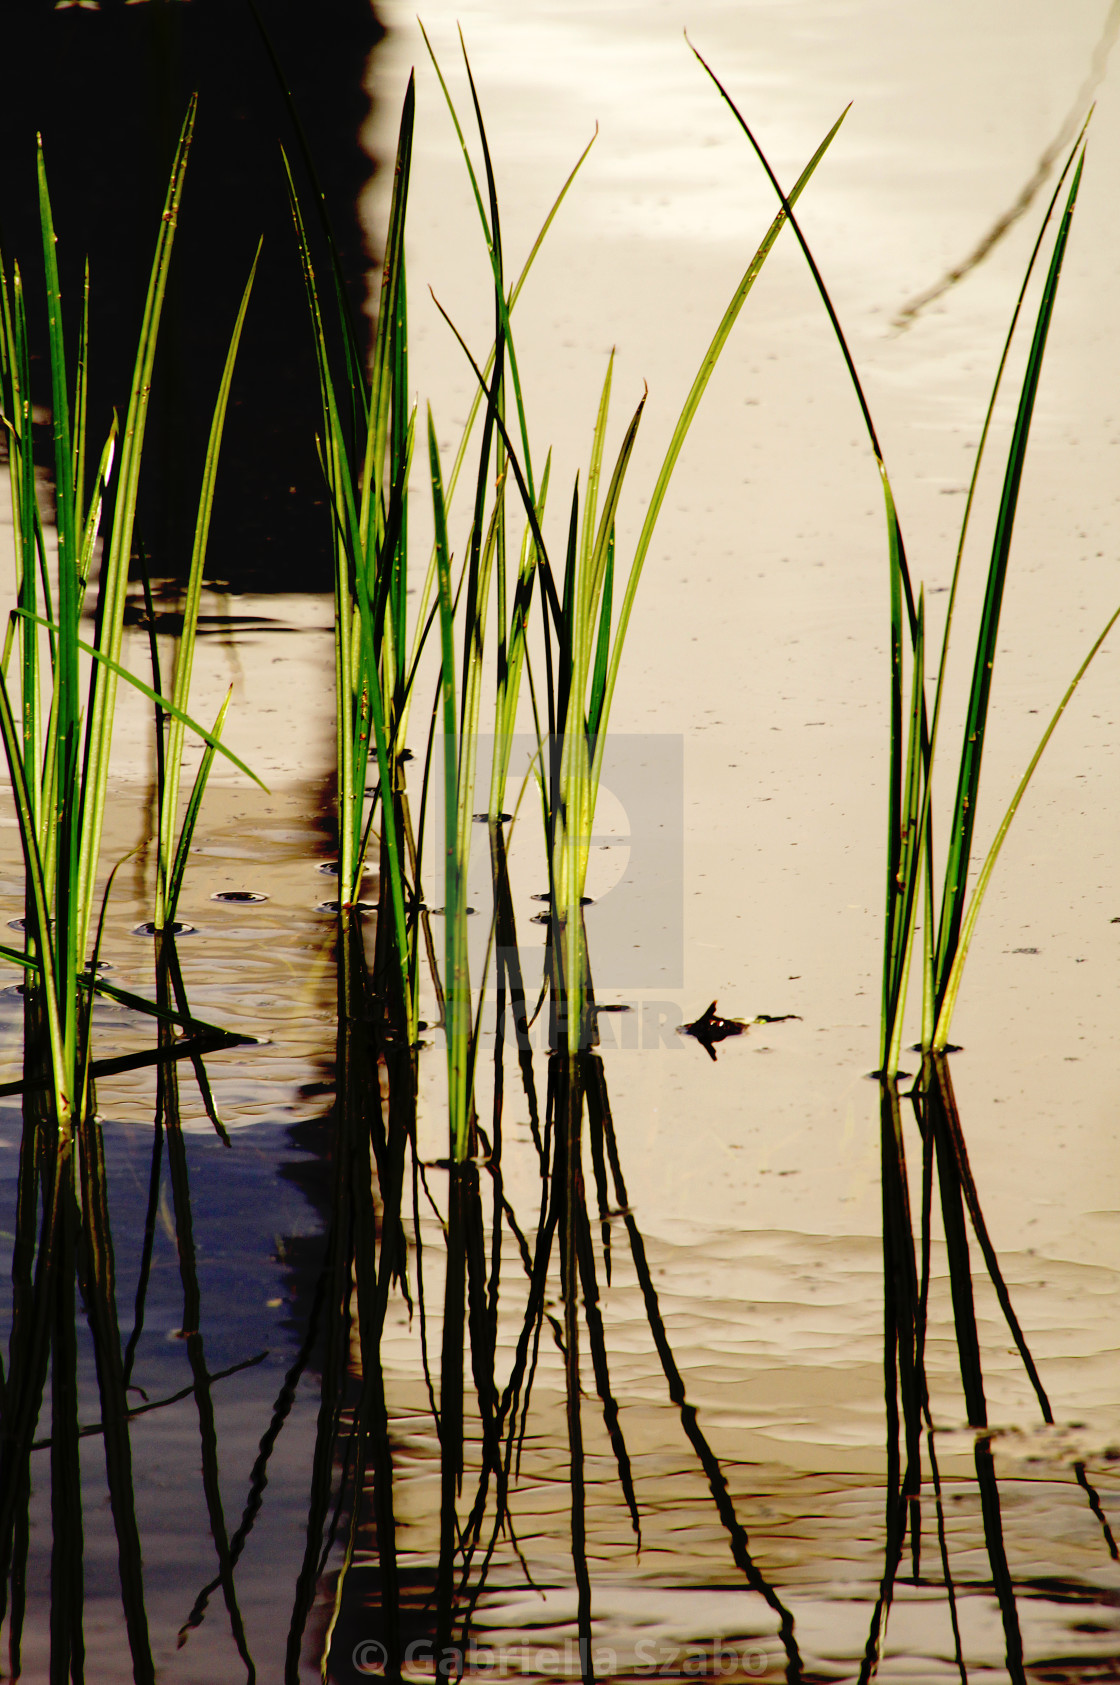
(108, 89)
(258, 1245)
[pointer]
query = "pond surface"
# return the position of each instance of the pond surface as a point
(745, 1324)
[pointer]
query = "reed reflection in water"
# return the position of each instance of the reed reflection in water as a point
(496, 1502)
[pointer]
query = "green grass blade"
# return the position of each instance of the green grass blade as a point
(356, 677)
(190, 817)
(504, 329)
(571, 843)
(60, 818)
(968, 778)
(472, 414)
(162, 701)
(602, 646)
(597, 561)
(368, 690)
(547, 576)
(902, 907)
(492, 233)
(474, 604)
(401, 444)
(65, 515)
(184, 660)
(28, 531)
(896, 883)
(972, 913)
(986, 430)
(93, 513)
(515, 293)
(59, 835)
(17, 956)
(157, 686)
(595, 466)
(475, 625)
(37, 902)
(390, 418)
(99, 726)
(86, 1049)
(509, 690)
(456, 979)
(81, 397)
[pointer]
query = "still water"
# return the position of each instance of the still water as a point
(745, 1313)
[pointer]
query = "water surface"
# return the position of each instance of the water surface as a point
(760, 641)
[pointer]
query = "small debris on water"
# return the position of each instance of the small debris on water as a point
(710, 1028)
(238, 895)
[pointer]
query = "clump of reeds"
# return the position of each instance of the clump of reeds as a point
(57, 731)
(481, 611)
(948, 920)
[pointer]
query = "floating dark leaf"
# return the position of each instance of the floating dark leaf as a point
(710, 1028)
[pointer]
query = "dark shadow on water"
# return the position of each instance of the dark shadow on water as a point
(108, 90)
(140, 1292)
